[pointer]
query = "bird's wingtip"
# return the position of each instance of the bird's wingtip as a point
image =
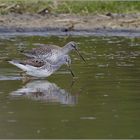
(13, 61)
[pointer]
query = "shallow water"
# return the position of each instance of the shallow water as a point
(103, 102)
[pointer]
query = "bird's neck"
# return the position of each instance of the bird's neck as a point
(66, 49)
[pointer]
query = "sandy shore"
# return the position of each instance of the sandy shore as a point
(65, 22)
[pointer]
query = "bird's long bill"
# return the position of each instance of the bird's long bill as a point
(80, 55)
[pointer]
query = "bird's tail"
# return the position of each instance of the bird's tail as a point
(18, 64)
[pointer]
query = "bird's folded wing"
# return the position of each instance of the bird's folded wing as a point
(33, 62)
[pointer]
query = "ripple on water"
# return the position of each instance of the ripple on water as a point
(11, 121)
(124, 64)
(5, 78)
(88, 118)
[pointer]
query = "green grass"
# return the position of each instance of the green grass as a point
(77, 7)
(100, 7)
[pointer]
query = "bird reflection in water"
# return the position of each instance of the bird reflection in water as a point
(42, 90)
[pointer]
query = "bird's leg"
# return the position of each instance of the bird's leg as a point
(25, 78)
(21, 73)
(73, 75)
(72, 82)
(69, 68)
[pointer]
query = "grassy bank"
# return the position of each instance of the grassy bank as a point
(77, 7)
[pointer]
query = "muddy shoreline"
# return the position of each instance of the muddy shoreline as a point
(65, 24)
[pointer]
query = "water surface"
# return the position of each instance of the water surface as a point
(103, 102)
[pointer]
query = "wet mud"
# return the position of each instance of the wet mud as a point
(65, 24)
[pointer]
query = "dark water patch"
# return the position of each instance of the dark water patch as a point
(11, 32)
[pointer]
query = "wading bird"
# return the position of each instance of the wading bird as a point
(40, 68)
(51, 53)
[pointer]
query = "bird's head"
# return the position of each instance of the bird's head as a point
(73, 46)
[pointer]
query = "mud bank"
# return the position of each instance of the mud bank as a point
(65, 24)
